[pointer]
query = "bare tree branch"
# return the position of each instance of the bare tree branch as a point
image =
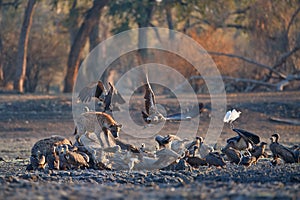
(292, 20)
(280, 61)
(285, 56)
(235, 79)
(14, 3)
(278, 86)
(236, 26)
(241, 11)
(248, 60)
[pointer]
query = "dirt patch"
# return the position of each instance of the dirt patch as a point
(25, 119)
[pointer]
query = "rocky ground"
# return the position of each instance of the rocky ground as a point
(25, 119)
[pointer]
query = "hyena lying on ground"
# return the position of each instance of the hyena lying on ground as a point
(42, 151)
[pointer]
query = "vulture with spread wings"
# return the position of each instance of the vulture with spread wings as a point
(153, 116)
(94, 89)
(98, 90)
(244, 140)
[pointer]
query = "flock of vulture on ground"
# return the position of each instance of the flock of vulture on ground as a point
(171, 152)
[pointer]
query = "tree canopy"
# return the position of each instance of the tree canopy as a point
(255, 44)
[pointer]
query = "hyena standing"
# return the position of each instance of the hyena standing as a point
(97, 122)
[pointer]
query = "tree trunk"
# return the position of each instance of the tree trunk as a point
(76, 50)
(142, 35)
(73, 25)
(168, 10)
(20, 74)
(1, 48)
(94, 38)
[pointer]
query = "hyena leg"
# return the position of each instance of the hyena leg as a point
(99, 134)
(79, 131)
(109, 138)
(82, 130)
(76, 134)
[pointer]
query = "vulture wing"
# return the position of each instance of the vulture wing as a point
(149, 99)
(251, 137)
(94, 89)
(107, 100)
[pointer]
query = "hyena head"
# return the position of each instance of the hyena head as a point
(115, 129)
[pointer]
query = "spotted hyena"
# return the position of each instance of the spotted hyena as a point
(43, 150)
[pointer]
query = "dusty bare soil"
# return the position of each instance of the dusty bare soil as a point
(26, 118)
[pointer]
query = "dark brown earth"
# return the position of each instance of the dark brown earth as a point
(26, 118)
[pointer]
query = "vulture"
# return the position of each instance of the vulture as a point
(233, 155)
(165, 141)
(280, 151)
(247, 160)
(196, 161)
(244, 140)
(215, 159)
(98, 90)
(94, 89)
(153, 116)
(76, 160)
(259, 151)
(197, 142)
(53, 159)
(171, 142)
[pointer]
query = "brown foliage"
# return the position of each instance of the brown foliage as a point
(218, 40)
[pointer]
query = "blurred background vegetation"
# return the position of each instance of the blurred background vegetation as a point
(255, 43)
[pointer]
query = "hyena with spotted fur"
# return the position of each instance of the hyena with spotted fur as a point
(43, 149)
(96, 122)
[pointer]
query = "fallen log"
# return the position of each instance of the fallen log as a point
(286, 120)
